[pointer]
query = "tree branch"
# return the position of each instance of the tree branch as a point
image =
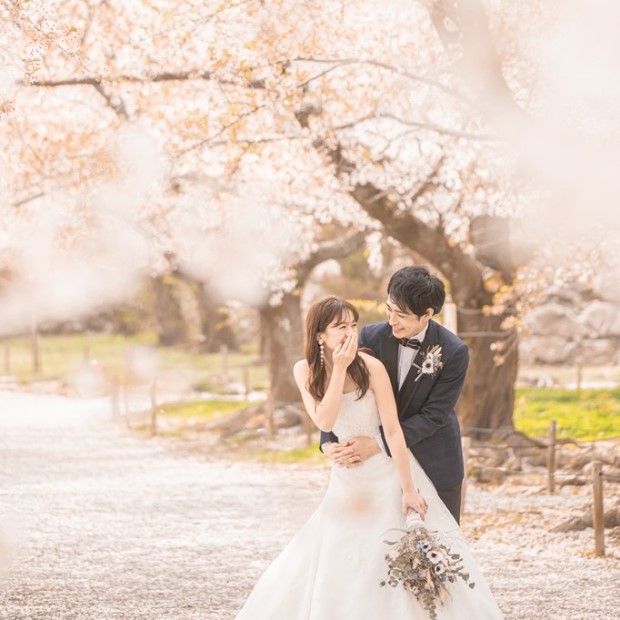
(331, 249)
(419, 125)
(117, 104)
(460, 268)
(165, 76)
(223, 130)
(341, 62)
(426, 240)
(471, 31)
(429, 183)
(24, 201)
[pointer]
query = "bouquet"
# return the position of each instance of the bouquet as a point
(423, 565)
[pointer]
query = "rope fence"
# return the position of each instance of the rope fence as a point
(507, 431)
(551, 446)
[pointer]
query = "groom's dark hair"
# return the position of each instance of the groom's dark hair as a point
(416, 289)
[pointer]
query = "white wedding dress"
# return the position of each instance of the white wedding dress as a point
(332, 568)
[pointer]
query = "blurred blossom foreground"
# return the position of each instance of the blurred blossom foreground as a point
(100, 525)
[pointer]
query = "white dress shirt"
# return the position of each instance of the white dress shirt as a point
(406, 355)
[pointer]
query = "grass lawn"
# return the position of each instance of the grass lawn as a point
(586, 415)
(61, 355)
(308, 454)
(201, 410)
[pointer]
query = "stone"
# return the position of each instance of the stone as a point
(596, 352)
(554, 319)
(492, 457)
(547, 350)
(601, 319)
(490, 475)
(566, 296)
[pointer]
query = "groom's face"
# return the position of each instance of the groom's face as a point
(404, 323)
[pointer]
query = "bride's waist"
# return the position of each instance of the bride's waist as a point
(369, 433)
(376, 464)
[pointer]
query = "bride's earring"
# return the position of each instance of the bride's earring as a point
(322, 348)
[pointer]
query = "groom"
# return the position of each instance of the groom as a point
(427, 365)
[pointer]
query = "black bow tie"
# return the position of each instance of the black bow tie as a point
(414, 343)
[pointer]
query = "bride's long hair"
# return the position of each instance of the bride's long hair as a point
(320, 315)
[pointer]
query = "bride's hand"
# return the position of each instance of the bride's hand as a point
(414, 501)
(345, 352)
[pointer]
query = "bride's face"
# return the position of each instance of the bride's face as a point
(338, 331)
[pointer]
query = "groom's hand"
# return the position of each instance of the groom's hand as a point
(342, 454)
(364, 447)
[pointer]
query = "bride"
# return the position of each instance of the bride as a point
(333, 567)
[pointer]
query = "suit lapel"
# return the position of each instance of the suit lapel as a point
(411, 385)
(388, 354)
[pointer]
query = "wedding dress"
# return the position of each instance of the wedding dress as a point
(333, 567)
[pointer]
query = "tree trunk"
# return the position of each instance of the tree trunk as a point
(487, 399)
(215, 321)
(168, 312)
(284, 341)
(282, 327)
(488, 395)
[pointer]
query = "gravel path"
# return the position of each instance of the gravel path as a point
(108, 526)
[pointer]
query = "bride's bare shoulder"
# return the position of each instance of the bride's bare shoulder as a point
(301, 369)
(374, 365)
(369, 360)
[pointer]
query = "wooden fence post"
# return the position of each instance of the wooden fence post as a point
(153, 396)
(450, 320)
(551, 458)
(271, 422)
(126, 399)
(224, 354)
(598, 518)
(247, 388)
(115, 399)
(36, 350)
(466, 444)
(308, 426)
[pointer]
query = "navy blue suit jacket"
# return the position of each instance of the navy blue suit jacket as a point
(426, 406)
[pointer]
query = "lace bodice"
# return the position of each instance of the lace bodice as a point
(357, 417)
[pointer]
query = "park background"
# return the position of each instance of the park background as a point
(180, 180)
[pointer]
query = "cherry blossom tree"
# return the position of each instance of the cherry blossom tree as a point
(232, 135)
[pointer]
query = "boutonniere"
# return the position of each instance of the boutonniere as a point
(431, 363)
